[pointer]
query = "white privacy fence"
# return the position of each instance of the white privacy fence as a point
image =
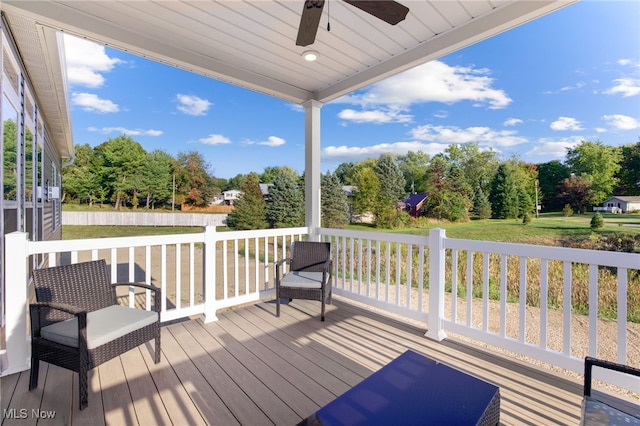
(112, 218)
(524, 298)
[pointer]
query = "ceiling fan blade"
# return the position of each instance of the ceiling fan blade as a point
(391, 12)
(309, 21)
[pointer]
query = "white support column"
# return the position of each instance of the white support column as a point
(209, 274)
(436, 284)
(312, 172)
(17, 355)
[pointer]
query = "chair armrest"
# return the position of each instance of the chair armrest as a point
(37, 322)
(157, 292)
(327, 265)
(283, 261)
(589, 362)
(278, 266)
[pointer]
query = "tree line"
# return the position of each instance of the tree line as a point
(462, 182)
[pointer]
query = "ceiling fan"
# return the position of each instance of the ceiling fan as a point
(389, 11)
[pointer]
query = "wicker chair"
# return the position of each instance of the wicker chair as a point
(78, 324)
(309, 275)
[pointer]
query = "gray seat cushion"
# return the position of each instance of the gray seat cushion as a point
(597, 413)
(103, 325)
(302, 279)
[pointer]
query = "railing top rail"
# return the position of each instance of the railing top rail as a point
(41, 247)
(598, 257)
(381, 236)
(260, 233)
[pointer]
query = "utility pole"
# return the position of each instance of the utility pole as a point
(173, 193)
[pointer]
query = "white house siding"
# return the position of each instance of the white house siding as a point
(24, 210)
(623, 203)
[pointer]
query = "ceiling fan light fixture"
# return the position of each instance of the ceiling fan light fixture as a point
(310, 55)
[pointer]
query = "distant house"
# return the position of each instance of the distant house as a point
(414, 205)
(231, 195)
(620, 204)
(264, 188)
(349, 190)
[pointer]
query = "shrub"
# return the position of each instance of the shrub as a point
(526, 218)
(597, 221)
(567, 210)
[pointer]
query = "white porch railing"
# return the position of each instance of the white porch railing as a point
(507, 295)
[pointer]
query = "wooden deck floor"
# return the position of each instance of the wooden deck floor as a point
(252, 368)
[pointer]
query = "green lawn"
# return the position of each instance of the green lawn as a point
(549, 229)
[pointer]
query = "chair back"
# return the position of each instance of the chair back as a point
(85, 285)
(309, 256)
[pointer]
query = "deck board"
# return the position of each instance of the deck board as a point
(253, 368)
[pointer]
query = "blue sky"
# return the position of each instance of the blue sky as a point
(533, 92)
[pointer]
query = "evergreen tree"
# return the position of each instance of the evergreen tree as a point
(391, 179)
(525, 204)
(335, 208)
(504, 194)
(249, 210)
(285, 202)
(481, 205)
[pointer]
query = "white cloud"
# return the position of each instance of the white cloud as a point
(512, 121)
(434, 81)
(624, 62)
(452, 134)
(92, 103)
(625, 87)
(214, 139)
(375, 116)
(566, 123)
(271, 141)
(346, 153)
(621, 122)
(86, 61)
(124, 130)
(553, 149)
(192, 105)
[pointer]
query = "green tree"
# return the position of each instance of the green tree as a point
(335, 209)
(9, 147)
(391, 180)
(235, 182)
(599, 164)
(157, 178)
(367, 194)
(122, 163)
(481, 205)
(576, 192)
(80, 180)
(504, 194)
(597, 221)
(629, 173)
(285, 202)
(345, 172)
(437, 186)
(550, 176)
(194, 180)
(479, 166)
(413, 166)
(249, 210)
